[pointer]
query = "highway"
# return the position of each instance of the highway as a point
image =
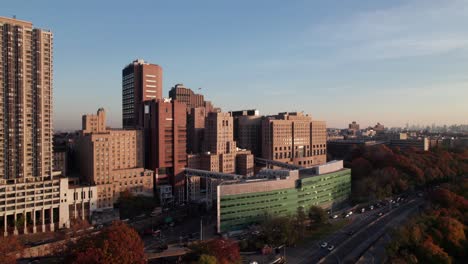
(366, 228)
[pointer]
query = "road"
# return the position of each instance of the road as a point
(363, 225)
(350, 250)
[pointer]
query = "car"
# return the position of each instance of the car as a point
(335, 216)
(350, 212)
(331, 247)
(346, 216)
(371, 207)
(363, 210)
(380, 214)
(350, 233)
(324, 244)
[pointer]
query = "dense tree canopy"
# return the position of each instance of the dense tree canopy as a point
(222, 251)
(118, 243)
(438, 235)
(378, 171)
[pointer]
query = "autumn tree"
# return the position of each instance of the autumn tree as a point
(118, 243)
(226, 251)
(8, 247)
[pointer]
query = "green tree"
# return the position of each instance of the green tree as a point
(317, 215)
(207, 259)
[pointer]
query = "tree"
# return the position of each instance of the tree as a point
(8, 247)
(317, 215)
(277, 231)
(207, 259)
(225, 250)
(118, 243)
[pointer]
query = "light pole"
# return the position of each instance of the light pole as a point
(201, 228)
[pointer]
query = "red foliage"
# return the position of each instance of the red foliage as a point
(116, 244)
(8, 247)
(226, 251)
(449, 199)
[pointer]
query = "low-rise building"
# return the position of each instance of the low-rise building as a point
(279, 193)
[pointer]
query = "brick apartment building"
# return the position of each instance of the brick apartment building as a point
(294, 138)
(112, 160)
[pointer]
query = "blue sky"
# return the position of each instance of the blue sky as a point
(371, 61)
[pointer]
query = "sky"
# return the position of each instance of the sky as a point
(393, 62)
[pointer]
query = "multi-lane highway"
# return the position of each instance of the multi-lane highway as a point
(354, 239)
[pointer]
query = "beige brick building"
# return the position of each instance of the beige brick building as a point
(294, 138)
(112, 160)
(220, 153)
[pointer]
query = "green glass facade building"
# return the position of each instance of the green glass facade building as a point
(246, 203)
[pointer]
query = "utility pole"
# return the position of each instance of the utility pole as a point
(201, 228)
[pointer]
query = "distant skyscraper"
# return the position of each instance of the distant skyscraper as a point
(141, 81)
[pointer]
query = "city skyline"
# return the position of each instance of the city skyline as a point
(323, 59)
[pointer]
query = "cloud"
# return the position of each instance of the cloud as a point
(416, 28)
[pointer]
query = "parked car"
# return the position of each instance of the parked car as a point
(331, 247)
(324, 244)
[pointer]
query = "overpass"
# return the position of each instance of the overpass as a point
(267, 163)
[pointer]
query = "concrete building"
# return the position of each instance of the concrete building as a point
(219, 148)
(294, 138)
(76, 201)
(29, 189)
(166, 143)
(112, 160)
(280, 193)
(418, 144)
(141, 81)
(248, 130)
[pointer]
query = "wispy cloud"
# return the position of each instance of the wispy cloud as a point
(417, 28)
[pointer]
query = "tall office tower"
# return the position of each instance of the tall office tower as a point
(112, 160)
(29, 189)
(220, 151)
(166, 143)
(294, 138)
(141, 81)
